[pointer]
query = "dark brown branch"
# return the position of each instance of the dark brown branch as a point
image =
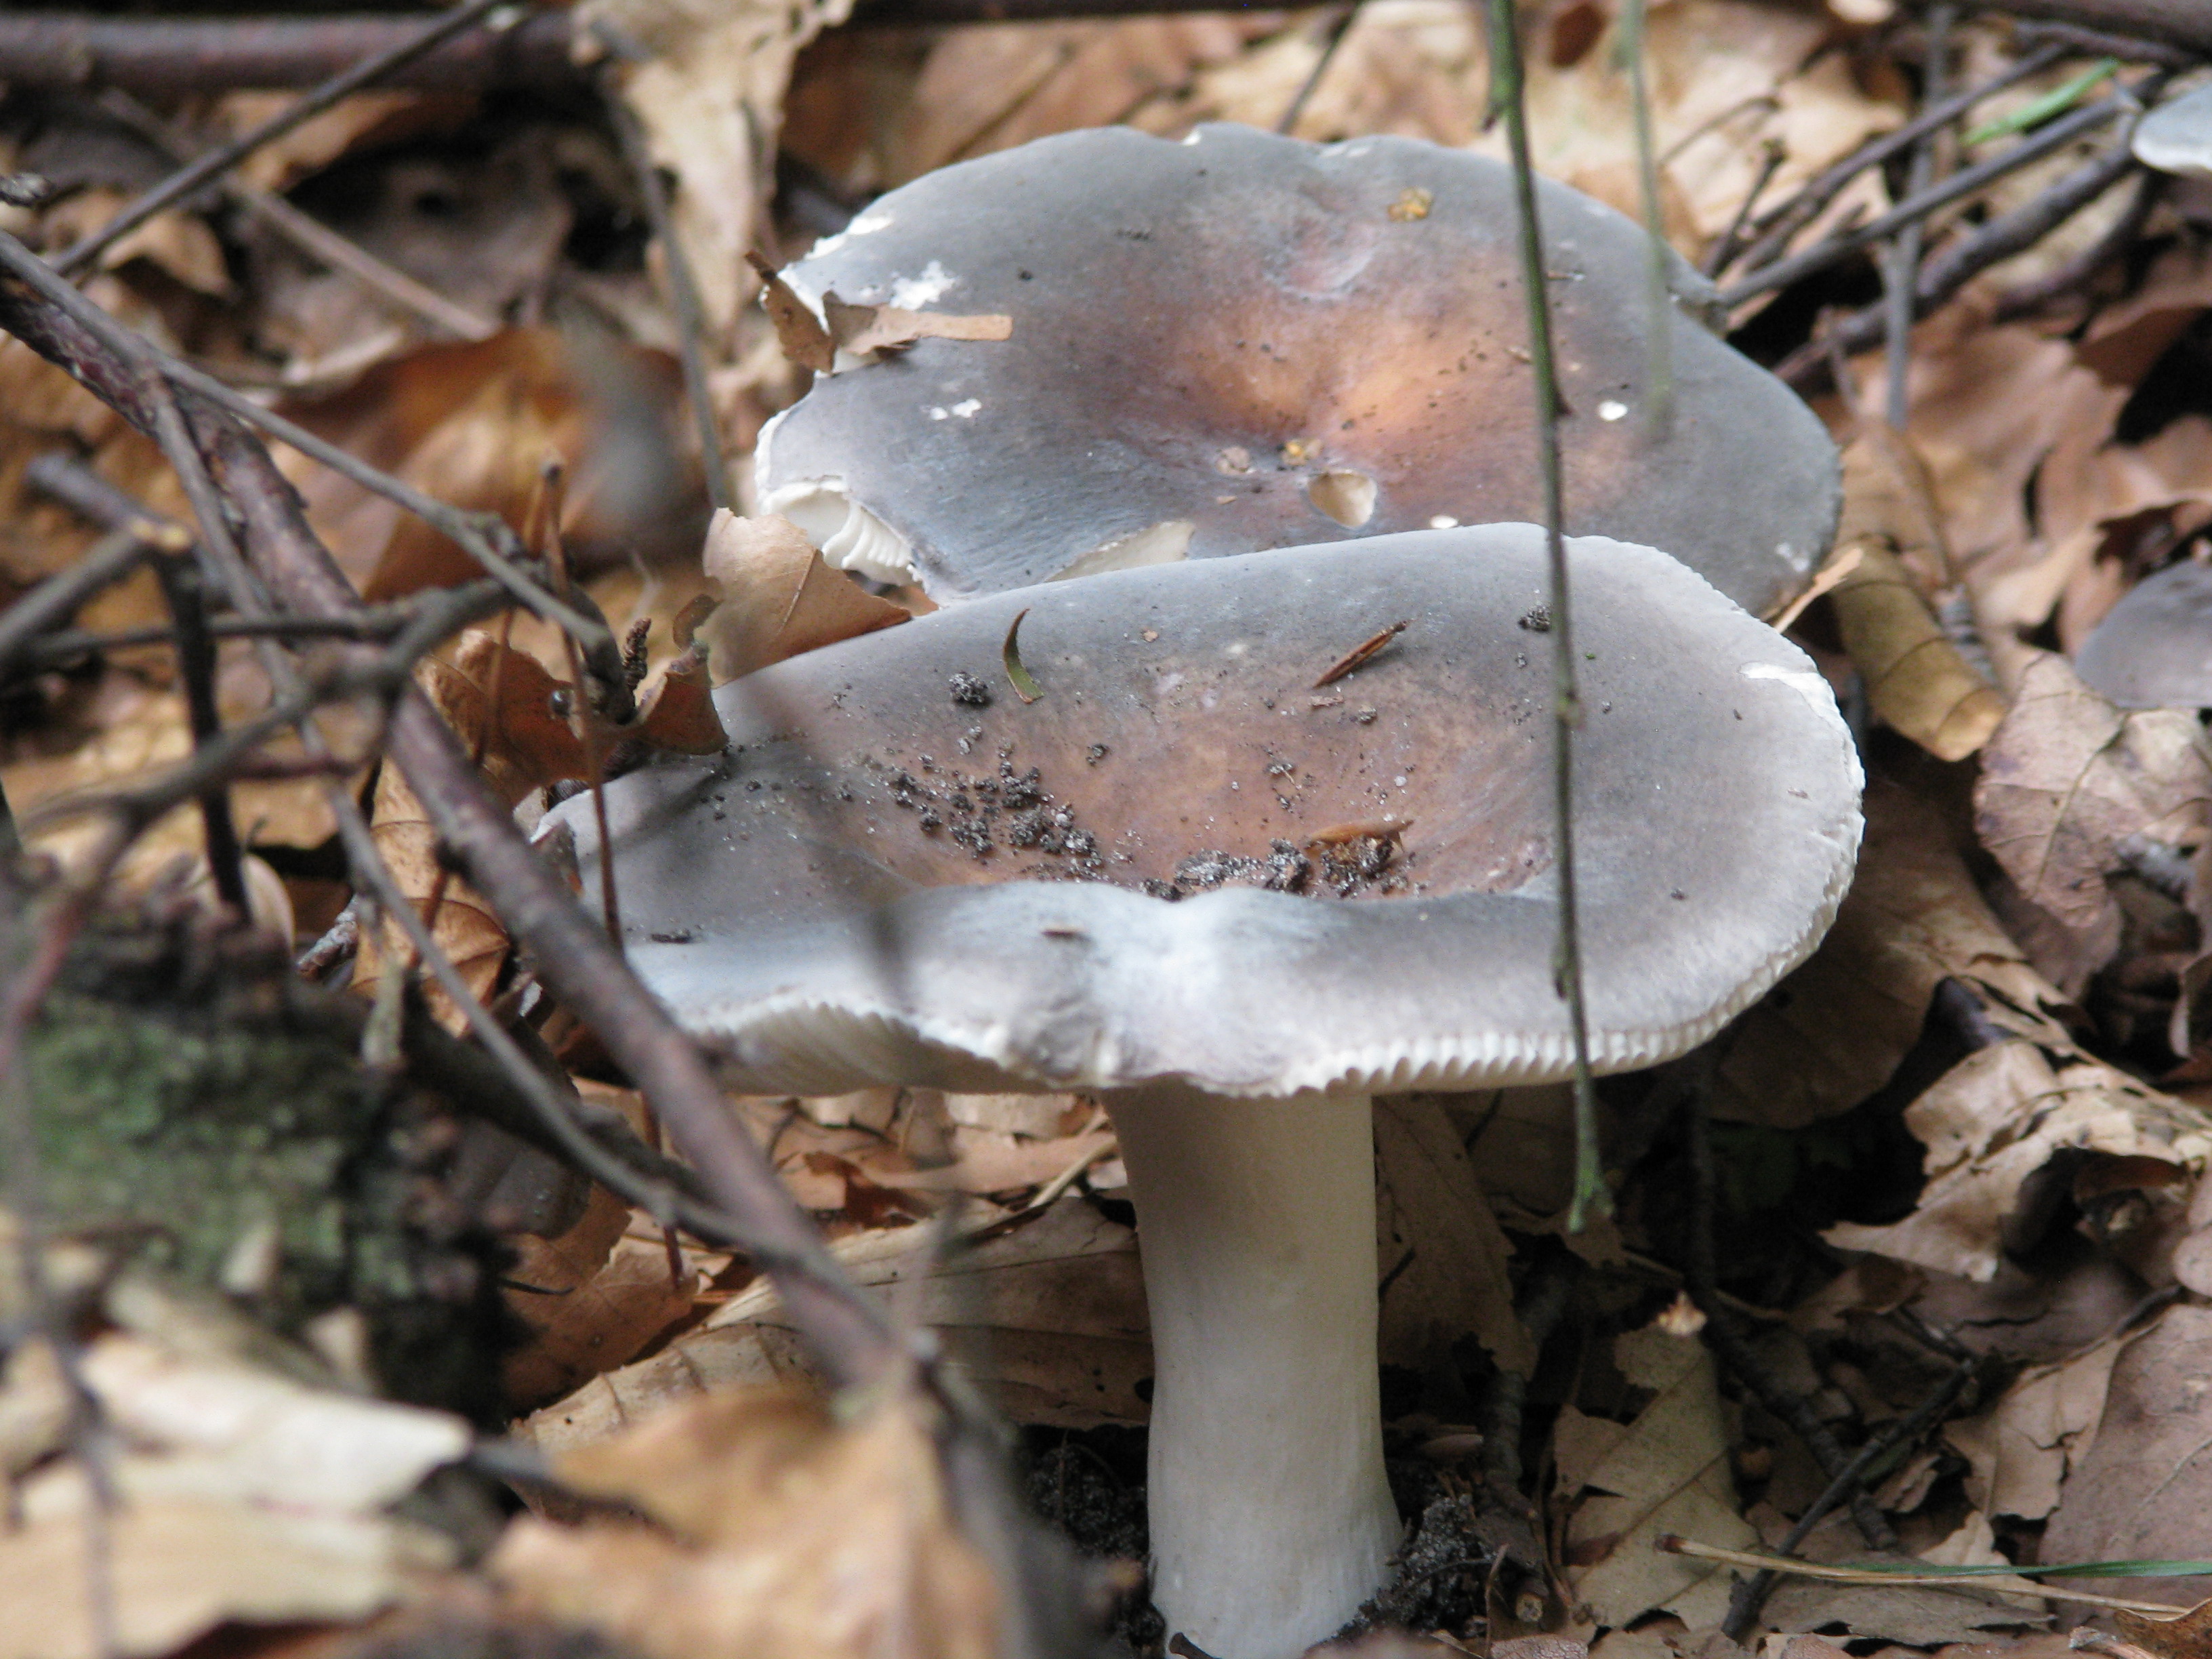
(2096, 43)
(163, 57)
(2184, 23)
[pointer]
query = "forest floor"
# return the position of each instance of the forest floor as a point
(319, 1342)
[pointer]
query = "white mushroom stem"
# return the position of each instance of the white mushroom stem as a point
(1270, 1519)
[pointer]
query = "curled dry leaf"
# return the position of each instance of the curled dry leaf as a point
(779, 598)
(1666, 1472)
(1915, 677)
(783, 1534)
(2067, 777)
(798, 332)
(1994, 1120)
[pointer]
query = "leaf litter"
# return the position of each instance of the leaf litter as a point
(1973, 1121)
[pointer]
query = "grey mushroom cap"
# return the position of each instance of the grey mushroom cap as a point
(2154, 649)
(791, 903)
(2177, 136)
(1242, 342)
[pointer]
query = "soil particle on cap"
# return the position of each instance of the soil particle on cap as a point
(1002, 808)
(967, 689)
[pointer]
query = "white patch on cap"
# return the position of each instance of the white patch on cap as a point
(913, 293)
(1789, 556)
(1165, 543)
(1612, 410)
(1442, 521)
(846, 533)
(1804, 681)
(866, 225)
(965, 410)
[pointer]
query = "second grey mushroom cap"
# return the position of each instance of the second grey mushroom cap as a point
(874, 886)
(1242, 342)
(2154, 648)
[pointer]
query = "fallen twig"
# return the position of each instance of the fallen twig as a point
(63, 594)
(1965, 258)
(1771, 231)
(1750, 1593)
(160, 56)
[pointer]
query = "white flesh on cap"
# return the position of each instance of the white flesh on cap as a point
(1165, 543)
(846, 533)
(1270, 1519)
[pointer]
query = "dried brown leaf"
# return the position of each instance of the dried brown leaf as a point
(473, 425)
(887, 328)
(678, 713)
(794, 1535)
(179, 1568)
(2189, 1636)
(1666, 1472)
(799, 331)
(2067, 777)
(1994, 1120)
(1048, 1313)
(1444, 1255)
(500, 702)
(710, 94)
(2142, 1487)
(594, 1298)
(779, 598)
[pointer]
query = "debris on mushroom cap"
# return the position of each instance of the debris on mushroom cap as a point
(2154, 649)
(2177, 136)
(1235, 343)
(867, 892)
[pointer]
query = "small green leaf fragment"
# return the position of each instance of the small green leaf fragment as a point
(2056, 101)
(1025, 685)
